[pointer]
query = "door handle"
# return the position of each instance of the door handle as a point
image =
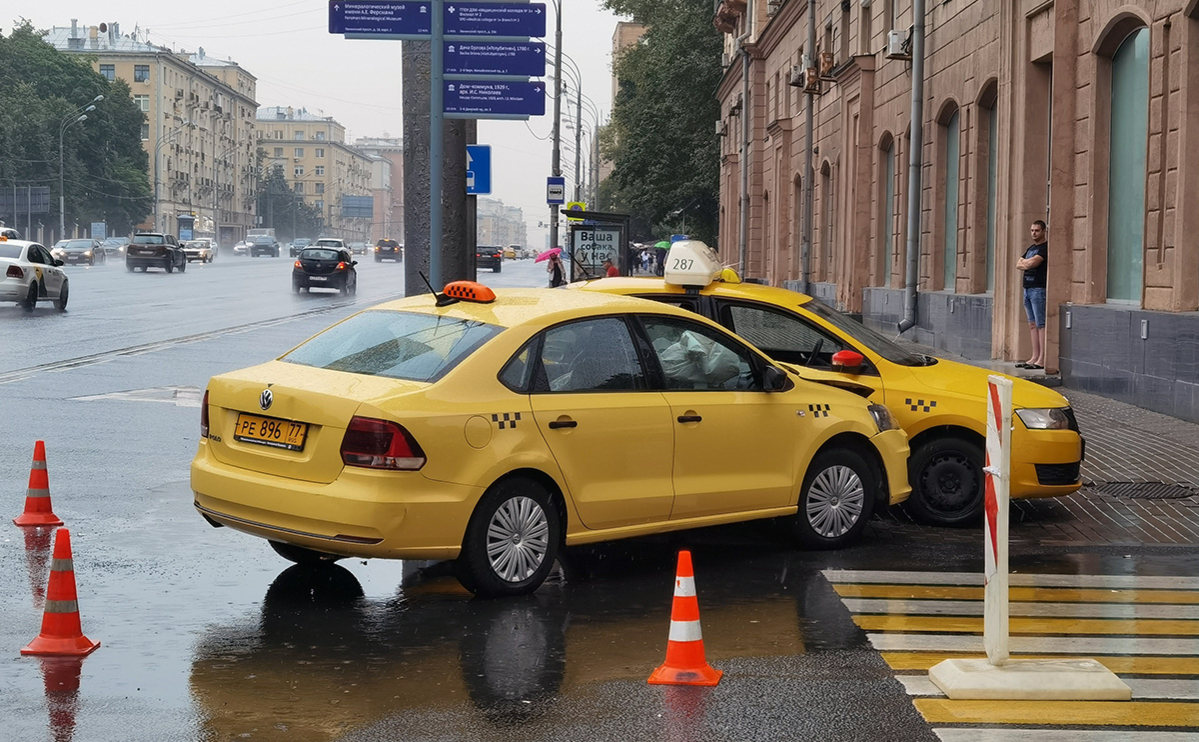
(690, 418)
(556, 424)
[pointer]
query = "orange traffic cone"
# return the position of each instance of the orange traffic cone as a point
(37, 500)
(62, 633)
(685, 663)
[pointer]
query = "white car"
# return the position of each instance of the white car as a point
(241, 249)
(30, 274)
(200, 250)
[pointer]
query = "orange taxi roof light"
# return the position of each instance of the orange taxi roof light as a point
(469, 291)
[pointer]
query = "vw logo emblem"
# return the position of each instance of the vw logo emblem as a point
(265, 399)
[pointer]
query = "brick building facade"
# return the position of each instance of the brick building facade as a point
(1084, 113)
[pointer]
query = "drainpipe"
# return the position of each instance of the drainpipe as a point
(916, 145)
(743, 240)
(809, 133)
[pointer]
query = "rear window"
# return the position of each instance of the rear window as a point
(149, 239)
(10, 251)
(319, 255)
(329, 243)
(387, 243)
(484, 250)
(398, 345)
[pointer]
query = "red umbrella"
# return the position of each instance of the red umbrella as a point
(548, 253)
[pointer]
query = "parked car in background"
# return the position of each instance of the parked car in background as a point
(155, 250)
(75, 252)
(325, 268)
(388, 250)
(200, 250)
(297, 246)
(489, 256)
(264, 244)
(358, 248)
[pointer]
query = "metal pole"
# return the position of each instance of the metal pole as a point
(436, 139)
(556, 164)
(743, 240)
(62, 201)
(579, 143)
(808, 174)
(915, 159)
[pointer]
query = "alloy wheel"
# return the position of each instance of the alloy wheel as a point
(835, 501)
(517, 539)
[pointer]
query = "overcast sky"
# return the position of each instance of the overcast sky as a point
(287, 46)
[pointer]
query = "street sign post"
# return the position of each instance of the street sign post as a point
(494, 99)
(478, 169)
(555, 190)
(495, 59)
(375, 19)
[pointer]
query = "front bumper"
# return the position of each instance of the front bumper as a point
(892, 447)
(1043, 462)
(362, 513)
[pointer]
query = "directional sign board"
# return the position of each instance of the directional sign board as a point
(493, 99)
(492, 58)
(478, 169)
(380, 19)
(495, 20)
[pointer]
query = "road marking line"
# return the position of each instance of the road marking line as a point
(1038, 594)
(906, 661)
(1142, 688)
(1088, 645)
(1130, 713)
(1063, 610)
(1036, 626)
(1022, 580)
(1060, 735)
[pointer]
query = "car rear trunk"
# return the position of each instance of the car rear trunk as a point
(319, 267)
(322, 400)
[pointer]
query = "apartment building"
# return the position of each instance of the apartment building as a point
(199, 130)
(319, 165)
(387, 183)
(499, 224)
(1077, 112)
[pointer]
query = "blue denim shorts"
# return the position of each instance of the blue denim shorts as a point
(1034, 306)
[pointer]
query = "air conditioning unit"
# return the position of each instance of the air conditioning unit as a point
(796, 77)
(826, 65)
(772, 6)
(721, 128)
(897, 46)
(725, 61)
(811, 82)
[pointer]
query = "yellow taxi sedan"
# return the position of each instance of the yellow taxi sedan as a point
(941, 404)
(494, 428)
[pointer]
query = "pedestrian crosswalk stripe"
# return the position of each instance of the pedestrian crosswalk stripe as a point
(1142, 688)
(1087, 645)
(1039, 625)
(1016, 580)
(975, 608)
(1038, 594)
(960, 734)
(906, 661)
(1129, 713)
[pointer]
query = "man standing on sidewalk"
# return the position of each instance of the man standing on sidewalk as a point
(1034, 266)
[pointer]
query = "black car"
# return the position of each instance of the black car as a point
(388, 250)
(73, 252)
(154, 250)
(298, 244)
(325, 268)
(489, 256)
(263, 244)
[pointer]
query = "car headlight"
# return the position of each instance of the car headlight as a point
(1051, 418)
(87, 253)
(882, 418)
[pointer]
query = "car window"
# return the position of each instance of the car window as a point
(590, 356)
(149, 239)
(328, 243)
(873, 340)
(696, 357)
(317, 254)
(399, 345)
(690, 303)
(518, 372)
(782, 335)
(35, 256)
(10, 251)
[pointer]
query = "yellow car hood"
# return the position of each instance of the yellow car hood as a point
(961, 377)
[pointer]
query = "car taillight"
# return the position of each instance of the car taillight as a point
(204, 416)
(341, 266)
(15, 272)
(380, 444)
(298, 265)
(497, 255)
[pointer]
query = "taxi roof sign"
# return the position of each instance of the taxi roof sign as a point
(691, 263)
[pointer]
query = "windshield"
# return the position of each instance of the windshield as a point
(78, 245)
(873, 340)
(149, 239)
(398, 345)
(319, 255)
(10, 251)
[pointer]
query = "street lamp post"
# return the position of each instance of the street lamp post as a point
(74, 118)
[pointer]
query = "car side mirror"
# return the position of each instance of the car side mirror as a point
(353, 262)
(848, 360)
(58, 262)
(774, 379)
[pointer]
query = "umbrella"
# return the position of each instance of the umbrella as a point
(548, 253)
(663, 245)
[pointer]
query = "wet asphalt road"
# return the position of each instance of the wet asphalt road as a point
(208, 635)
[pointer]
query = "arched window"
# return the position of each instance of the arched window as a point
(953, 134)
(1126, 162)
(886, 209)
(988, 146)
(826, 225)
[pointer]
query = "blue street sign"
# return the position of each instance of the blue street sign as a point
(493, 99)
(555, 190)
(380, 19)
(495, 20)
(516, 59)
(478, 169)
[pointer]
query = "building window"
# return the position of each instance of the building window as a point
(320, 187)
(299, 171)
(320, 135)
(992, 189)
(299, 187)
(299, 135)
(145, 132)
(320, 169)
(1126, 175)
(320, 151)
(299, 151)
(109, 71)
(143, 102)
(886, 212)
(953, 134)
(320, 205)
(278, 151)
(141, 72)
(826, 231)
(279, 134)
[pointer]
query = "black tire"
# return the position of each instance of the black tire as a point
(836, 501)
(536, 540)
(947, 482)
(345, 287)
(496, 269)
(354, 287)
(169, 265)
(63, 294)
(92, 261)
(302, 555)
(30, 298)
(296, 287)
(183, 265)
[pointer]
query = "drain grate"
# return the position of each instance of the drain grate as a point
(1146, 490)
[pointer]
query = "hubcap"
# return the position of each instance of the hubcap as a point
(835, 501)
(517, 539)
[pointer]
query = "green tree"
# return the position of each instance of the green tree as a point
(105, 169)
(661, 141)
(283, 210)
